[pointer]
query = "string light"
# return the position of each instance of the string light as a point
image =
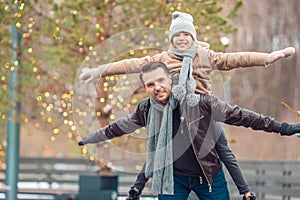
(57, 106)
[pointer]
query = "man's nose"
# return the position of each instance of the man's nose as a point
(157, 86)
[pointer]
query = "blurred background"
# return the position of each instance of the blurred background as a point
(58, 37)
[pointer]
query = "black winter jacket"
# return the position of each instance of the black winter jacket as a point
(201, 122)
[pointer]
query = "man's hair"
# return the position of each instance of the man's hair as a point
(152, 66)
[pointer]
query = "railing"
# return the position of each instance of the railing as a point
(48, 178)
(58, 179)
(271, 180)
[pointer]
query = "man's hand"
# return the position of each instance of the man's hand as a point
(133, 194)
(249, 196)
(289, 129)
(276, 55)
(88, 75)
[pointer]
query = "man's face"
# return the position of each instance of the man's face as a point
(182, 40)
(158, 84)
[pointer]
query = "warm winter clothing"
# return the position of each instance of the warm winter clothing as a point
(182, 22)
(159, 147)
(227, 158)
(185, 89)
(201, 122)
(204, 62)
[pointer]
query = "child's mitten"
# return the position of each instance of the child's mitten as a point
(276, 55)
(88, 75)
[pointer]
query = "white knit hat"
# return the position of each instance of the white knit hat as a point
(182, 22)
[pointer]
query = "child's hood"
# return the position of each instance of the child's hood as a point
(203, 44)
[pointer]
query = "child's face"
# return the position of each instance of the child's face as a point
(182, 40)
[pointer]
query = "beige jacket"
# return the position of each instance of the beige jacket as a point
(204, 62)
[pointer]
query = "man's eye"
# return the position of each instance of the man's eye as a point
(149, 85)
(161, 80)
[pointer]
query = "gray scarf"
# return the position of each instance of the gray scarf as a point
(159, 163)
(187, 84)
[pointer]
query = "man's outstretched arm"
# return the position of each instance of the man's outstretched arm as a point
(235, 115)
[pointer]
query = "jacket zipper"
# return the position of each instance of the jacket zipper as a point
(195, 120)
(209, 184)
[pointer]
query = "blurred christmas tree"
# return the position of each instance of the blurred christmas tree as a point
(59, 35)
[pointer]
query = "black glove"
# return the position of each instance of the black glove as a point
(289, 129)
(251, 197)
(80, 143)
(133, 194)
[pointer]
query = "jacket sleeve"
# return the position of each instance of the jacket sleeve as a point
(230, 162)
(125, 125)
(132, 65)
(141, 179)
(235, 115)
(228, 61)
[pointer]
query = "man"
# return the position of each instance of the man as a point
(182, 140)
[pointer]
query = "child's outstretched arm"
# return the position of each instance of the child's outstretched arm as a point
(228, 61)
(132, 65)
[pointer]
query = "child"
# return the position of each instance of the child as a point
(204, 60)
(193, 61)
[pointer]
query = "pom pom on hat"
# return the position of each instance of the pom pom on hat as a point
(192, 99)
(182, 22)
(179, 92)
